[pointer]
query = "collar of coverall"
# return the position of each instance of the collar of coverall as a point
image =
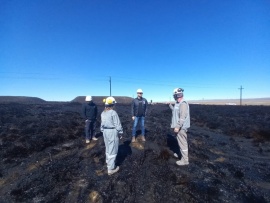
(180, 99)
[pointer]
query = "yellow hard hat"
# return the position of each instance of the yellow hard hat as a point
(109, 101)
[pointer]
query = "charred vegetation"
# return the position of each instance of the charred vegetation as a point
(44, 157)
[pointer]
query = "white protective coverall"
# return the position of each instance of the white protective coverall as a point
(181, 120)
(111, 127)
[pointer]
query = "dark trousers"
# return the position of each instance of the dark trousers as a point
(90, 127)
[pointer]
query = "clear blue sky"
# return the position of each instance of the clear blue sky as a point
(60, 49)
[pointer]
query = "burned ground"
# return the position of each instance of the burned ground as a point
(44, 157)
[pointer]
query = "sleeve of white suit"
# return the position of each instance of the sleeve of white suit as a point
(117, 123)
(146, 107)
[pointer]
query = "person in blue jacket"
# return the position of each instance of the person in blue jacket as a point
(89, 113)
(138, 111)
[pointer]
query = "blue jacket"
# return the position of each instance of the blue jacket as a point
(139, 107)
(89, 111)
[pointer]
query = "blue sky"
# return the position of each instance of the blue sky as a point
(60, 49)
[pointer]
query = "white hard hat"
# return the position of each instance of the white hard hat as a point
(109, 101)
(178, 90)
(88, 98)
(139, 91)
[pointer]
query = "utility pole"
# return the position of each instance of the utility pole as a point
(110, 86)
(241, 95)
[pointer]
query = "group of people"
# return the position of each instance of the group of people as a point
(112, 129)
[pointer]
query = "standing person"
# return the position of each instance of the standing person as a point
(138, 110)
(180, 124)
(89, 113)
(111, 127)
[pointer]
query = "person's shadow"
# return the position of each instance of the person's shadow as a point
(123, 151)
(173, 144)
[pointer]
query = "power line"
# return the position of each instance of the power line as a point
(153, 81)
(118, 79)
(162, 83)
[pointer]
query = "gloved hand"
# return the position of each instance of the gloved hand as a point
(120, 135)
(176, 130)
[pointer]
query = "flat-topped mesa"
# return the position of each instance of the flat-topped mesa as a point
(21, 99)
(99, 99)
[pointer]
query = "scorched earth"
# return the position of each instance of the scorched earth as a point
(44, 157)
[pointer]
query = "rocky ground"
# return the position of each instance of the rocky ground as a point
(44, 158)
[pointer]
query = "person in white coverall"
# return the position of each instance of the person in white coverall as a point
(180, 124)
(111, 128)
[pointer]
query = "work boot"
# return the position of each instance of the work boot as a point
(133, 139)
(110, 172)
(87, 141)
(182, 162)
(143, 138)
(94, 138)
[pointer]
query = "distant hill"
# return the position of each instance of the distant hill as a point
(21, 99)
(99, 99)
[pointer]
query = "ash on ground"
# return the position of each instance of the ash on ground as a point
(44, 157)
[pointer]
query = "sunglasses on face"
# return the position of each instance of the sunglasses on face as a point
(139, 93)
